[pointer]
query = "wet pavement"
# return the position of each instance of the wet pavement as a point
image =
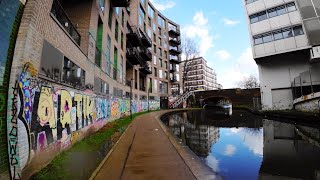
(246, 146)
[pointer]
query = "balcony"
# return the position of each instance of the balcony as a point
(174, 50)
(144, 69)
(173, 68)
(120, 3)
(173, 79)
(145, 40)
(134, 36)
(174, 41)
(133, 56)
(175, 59)
(174, 32)
(58, 12)
(146, 55)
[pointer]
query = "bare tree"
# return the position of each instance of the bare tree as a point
(190, 50)
(250, 82)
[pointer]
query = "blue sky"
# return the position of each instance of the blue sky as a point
(220, 28)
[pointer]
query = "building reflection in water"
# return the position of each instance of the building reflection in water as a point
(269, 149)
(290, 151)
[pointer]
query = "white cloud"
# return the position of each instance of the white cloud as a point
(229, 22)
(223, 55)
(213, 163)
(254, 142)
(244, 67)
(230, 150)
(163, 5)
(199, 32)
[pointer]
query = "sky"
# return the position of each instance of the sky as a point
(220, 29)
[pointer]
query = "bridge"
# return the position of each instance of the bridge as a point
(238, 97)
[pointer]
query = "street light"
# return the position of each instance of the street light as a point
(131, 98)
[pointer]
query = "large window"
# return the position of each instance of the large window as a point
(108, 50)
(141, 16)
(276, 11)
(73, 74)
(150, 11)
(278, 34)
(161, 21)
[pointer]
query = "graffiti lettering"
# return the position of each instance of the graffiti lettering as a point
(53, 73)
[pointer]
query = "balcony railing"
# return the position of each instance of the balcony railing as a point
(146, 55)
(145, 40)
(173, 79)
(174, 50)
(59, 13)
(174, 41)
(120, 3)
(173, 68)
(145, 69)
(174, 31)
(175, 59)
(133, 56)
(134, 36)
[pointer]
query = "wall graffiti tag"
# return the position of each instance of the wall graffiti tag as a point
(47, 116)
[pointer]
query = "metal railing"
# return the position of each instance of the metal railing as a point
(306, 83)
(59, 13)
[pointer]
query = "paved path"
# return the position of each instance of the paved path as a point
(144, 152)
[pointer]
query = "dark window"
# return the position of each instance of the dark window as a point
(298, 30)
(262, 16)
(287, 33)
(73, 74)
(254, 18)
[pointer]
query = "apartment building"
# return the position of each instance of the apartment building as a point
(199, 76)
(75, 65)
(285, 38)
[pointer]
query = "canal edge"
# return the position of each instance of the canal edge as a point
(191, 160)
(97, 170)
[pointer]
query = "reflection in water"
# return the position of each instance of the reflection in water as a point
(244, 146)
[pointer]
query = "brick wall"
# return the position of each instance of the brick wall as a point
(44, 115)
(10, 18)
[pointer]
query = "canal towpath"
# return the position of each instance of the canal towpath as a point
(147, 150)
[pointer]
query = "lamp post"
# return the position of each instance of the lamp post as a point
(131, 98)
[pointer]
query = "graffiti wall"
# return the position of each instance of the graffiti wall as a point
(10, 16)
(46, 116)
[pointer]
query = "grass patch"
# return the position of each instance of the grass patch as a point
(57, 168)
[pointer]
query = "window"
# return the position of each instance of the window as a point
(250, 1)
(110, 16)
(141, 16)
(161, 21)
(272, 12)
(160, 52)
(257, 40)
(281, 10)
(253, 19)
(116, 31)
(154, 37)
(287, 33)
(122, 19)
(159, 31)
(117, 10)
(166, 75)
(154, 27)
(160, 62)
(155, 72)
(298, 30)
(149, 21)
(101, 3)
(291, 7)
(154, 48)
(150, 11)
(73, 74)
(159, 41)
(122, 44)
(277, 35)
(160, 73)
(149, 33)
(166, 64)
(154, 60)
(262, 16)
(108, 50)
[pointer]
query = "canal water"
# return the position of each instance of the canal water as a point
(246, 146)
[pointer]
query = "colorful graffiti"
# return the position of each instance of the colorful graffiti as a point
(48, 117)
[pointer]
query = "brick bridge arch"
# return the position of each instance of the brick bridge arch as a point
(238, 97)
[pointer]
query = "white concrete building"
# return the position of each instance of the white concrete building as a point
(285, 35)
(199, 75)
